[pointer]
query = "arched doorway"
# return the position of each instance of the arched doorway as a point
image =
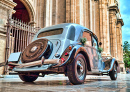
(20, 34)
(21, 12)
(21, 31)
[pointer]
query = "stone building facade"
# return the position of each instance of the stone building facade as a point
(101, 16)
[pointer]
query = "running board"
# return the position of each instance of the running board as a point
(94, 73)
(97, 73)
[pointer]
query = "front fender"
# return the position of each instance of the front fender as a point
(109, 64)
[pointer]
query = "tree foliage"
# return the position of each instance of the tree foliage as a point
(126, 54)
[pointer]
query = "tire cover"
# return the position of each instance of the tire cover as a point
(34, 51)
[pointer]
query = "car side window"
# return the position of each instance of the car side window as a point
(71, 34)
(94, 43)
(87, 35)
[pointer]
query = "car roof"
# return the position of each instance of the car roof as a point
(63, 25)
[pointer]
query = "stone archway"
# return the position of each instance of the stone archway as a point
(21, 12)
(28, 10)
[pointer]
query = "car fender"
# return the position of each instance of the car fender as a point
(75, 50)
(109, 64)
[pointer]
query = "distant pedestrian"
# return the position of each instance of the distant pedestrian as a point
(127, 71)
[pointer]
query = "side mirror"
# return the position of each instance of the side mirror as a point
(100, 43)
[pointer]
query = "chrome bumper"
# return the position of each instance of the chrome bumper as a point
(36, 63)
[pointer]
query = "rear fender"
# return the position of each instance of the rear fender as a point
(74, 52)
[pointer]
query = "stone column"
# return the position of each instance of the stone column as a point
(48, 13)
(40, 13)
(60, 11)
(68, 11)
(91, 15)
(81, 12)
(112, 23)
(87, 13)
(77, 11)
(96, 18)
(104, 27)
(119, 39)
(73, 18)
(53, 12)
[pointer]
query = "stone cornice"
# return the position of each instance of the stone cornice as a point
(113, 8)
(120, 21)
(3, 30)
(1, 34)
(8, 3)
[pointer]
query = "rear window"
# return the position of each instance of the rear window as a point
(50, 32)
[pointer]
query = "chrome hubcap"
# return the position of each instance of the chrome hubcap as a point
(115, 71)
(80, 68)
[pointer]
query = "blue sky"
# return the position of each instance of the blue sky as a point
(125, 14)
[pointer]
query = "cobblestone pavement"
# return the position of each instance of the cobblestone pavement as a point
(59, 83)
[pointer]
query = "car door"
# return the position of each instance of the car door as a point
(91, 47)
(88, 47)
(95, 53)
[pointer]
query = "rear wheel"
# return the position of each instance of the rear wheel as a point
(28, 78)
(113, 73)
(77, 70)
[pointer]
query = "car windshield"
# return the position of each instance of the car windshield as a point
(50, 32)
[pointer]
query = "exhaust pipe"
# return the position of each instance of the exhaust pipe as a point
(36, 63)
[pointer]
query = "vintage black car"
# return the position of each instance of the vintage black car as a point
(67, 48)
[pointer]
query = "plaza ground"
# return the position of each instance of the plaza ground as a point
(60, 83)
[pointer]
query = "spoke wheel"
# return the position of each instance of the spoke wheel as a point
(113, 73)
(77, 70)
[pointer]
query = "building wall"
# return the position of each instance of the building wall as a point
(100, 16)
(6, 8)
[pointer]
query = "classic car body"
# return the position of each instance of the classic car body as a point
(58, 49)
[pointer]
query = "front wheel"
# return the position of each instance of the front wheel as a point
(28, 78)
(76, 71)
(113, 73)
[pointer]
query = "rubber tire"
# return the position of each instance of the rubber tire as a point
(43, 75)
(27, 78)
(112, 74)
(71, 71)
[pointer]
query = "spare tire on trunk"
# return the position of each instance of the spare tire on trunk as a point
(35, 50)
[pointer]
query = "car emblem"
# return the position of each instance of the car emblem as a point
(34, 49)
